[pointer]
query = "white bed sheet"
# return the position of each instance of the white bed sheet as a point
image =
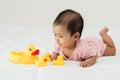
(16, 38)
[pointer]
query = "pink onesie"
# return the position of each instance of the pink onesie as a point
(85, 48)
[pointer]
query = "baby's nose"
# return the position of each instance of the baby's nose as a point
(57, 39)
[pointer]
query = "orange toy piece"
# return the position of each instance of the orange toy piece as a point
(24, 57)
(59, 61)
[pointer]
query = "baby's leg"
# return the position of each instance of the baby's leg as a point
(110, 47)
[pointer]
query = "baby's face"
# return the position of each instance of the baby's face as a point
(63, 37)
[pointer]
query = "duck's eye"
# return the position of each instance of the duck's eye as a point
(30, 49)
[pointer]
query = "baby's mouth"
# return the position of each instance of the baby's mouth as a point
(59, 44)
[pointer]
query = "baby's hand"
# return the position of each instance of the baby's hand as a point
(54, 56)
(88, 62)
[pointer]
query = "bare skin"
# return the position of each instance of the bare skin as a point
(110, 48)
(54, 56)
(88, 62)
(109, 51)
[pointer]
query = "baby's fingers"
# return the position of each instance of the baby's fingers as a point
(83, 64)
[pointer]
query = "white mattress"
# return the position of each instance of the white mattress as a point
(16, 38)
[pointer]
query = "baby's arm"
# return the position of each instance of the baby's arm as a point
(89, 61)
(54, 56)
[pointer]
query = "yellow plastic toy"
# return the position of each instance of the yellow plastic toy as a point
(29, 56)
(59, 61)
(47, 56)
(42, 61)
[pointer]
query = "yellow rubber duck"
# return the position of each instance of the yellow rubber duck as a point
(42, 61)
(47, 56)
(59, 61)
(27, 57)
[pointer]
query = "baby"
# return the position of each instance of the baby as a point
(67, 29)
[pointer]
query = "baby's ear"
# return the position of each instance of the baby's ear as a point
(76, 35)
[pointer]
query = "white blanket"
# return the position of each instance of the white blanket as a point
(16, 38)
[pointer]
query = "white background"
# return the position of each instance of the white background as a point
(96, 13)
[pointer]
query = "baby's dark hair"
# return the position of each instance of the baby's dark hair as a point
(72, 20)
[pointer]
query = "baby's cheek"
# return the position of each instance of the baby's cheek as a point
(63, 43)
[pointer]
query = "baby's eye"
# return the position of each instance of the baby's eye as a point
(55, 35)
(61, 36)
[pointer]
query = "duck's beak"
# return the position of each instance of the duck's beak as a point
(36, 52)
